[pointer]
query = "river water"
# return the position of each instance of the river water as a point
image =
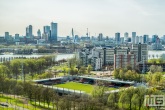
(58, 57)
(155, 54)
(151, 55)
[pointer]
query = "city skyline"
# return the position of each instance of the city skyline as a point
(105, 16)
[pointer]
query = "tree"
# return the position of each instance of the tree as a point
(139, 98)
(154, 68)
(4, 71)
(121, 74)
(128, 96)
(116, 73)
(89, 69)
(122, 98)
(15, 67)
(82, 70)
(73, 71)
(39, 93)
(157, 77)
(113, 100)
(135, 101)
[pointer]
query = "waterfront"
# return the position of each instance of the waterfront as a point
(155, 54)
(151, 54)
(58, 57)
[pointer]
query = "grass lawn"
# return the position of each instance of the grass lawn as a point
(18, 102)
(79, 86)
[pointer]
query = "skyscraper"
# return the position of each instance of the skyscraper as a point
(100, 37)
(126, 37)
(53, 37)
(154, 38)
(39, 33)
(29, 31)
(16, 36)
(117, 38)
(7, 36)
(46, 29)
(137, 40)
(145, 38)
(141, 39)
(133, 37)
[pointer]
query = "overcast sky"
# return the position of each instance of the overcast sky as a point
(99, 16)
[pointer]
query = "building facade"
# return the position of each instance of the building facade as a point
(53, 34)
(124, 60)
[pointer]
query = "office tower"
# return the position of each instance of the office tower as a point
(53, 37)
(100, 37)
(126, 37)
(122, 40)
(107, 38)
(117, 38)
(16, 36)
(76, 38)
(29, 31)
(7, 36)
(154, 38)
(141, 39)
(39, 34)
(133, 37)
(129, 39)
(137, 40)
(145, 38)
(46, 29)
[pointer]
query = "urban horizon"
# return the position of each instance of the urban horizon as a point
(106, 16)
(80, 35)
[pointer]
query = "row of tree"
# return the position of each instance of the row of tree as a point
(125, 74)
(18, 67)
(128, 99)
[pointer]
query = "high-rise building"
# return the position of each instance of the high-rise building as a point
(16, 36)
(107, 38)
(137, 40)
(39, 34)
(141, 52)
(155, 38)
(117, 38)
(7, 36)
(29, 31)
(100, 37)
(145, 38)
(126, 37)
(53, 37)
(122, 40)
(133, 37)
(46, 29)
(141, 39)
(124, 60)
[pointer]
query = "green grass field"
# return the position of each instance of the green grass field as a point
(79, 86)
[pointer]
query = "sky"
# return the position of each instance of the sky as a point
(99, 16)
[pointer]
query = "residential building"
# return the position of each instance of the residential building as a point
(124, 60)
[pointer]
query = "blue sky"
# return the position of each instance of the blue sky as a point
(99, 16)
